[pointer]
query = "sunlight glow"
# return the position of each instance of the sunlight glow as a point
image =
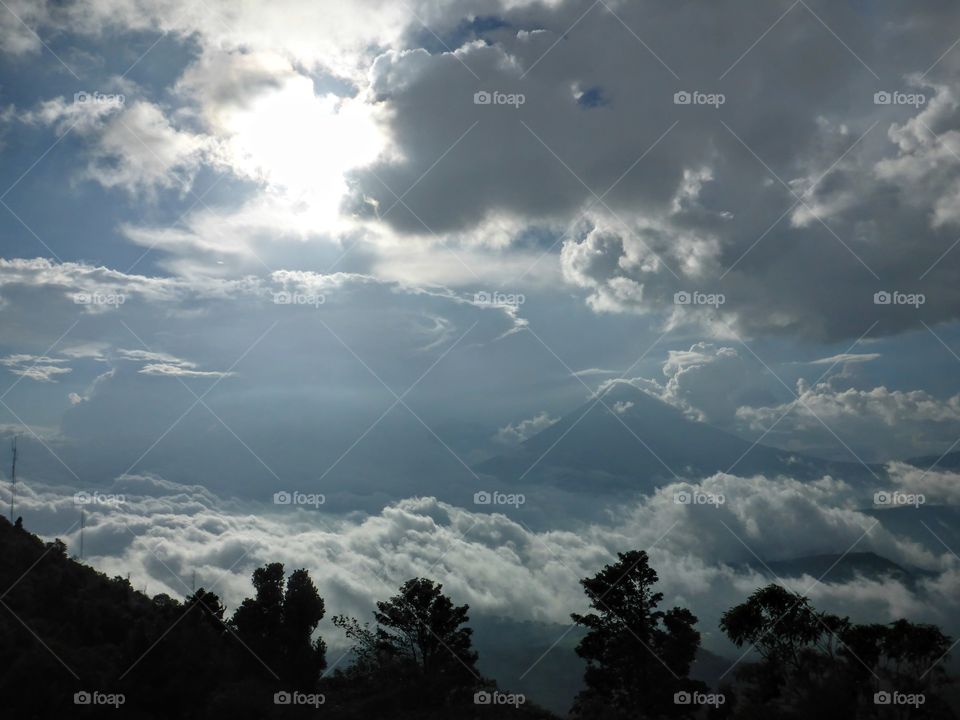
(301, 145)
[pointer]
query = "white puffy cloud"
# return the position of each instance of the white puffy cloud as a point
(710, 381)
(937, 486)
(707, 556)
(134, 144)
(140, 150)
(721, 204)
(911, 422)
(927, 164)
(323, 34)
(328, 123)
(17, 35)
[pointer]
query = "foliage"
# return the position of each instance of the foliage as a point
(638, 657)
(815, 664)
(65, 628)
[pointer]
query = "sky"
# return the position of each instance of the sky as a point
(358, 249)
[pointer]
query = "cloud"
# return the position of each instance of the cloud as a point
(140, 150)
(171, 370)
(516, 434)
(163, 533)
(164, 364)
(134, 145)
(39, 368)
(836, 414)
(359, 339)
(937, 486)
(709, 382)
(721, 204)
(847, 358)
(594, 371)
(325, 36)
(378, 156)
(911, 422)
(357, 176)
(16, 36)
(149, 356)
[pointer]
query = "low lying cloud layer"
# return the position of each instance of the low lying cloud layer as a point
(162, 533)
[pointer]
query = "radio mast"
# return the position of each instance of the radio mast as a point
(13, 474)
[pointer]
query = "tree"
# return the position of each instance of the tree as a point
(303, 608)
(901, 656)
(417, 659)
(279, 622)
(207, 604)
(815, 664)
(780, 624)
(637, 657)
(423, 626)
(798, 647)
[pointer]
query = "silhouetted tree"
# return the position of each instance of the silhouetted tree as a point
(815, 664)
(422, 625)
(208, 604)
(419, 655)
(637, 656)
(367, 653)
(303, 608)
(278, 625)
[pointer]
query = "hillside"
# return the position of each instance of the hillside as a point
(66, 629)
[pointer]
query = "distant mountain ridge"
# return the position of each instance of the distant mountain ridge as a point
(948, 461)
(631, 440)
(841, 568)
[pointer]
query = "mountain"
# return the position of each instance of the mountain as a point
(535, 658)
(631, 440)
(949, 461)
(933, 527)
(837, 568)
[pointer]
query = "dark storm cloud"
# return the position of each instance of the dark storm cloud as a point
(807, 197)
